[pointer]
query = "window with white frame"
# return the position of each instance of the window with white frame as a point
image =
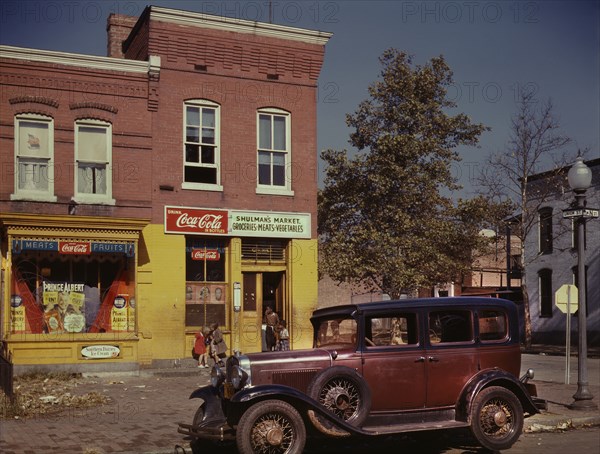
(93, 157)
(201, 154)
(274, 151)
(34, 158)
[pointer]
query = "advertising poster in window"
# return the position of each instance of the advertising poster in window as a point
(64, 307)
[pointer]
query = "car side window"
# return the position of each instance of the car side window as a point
(446, 326)
(391, 330)
(339, 331)
(493, 325)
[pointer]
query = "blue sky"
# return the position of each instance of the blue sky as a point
(495, 49)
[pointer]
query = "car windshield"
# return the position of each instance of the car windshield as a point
(337, 331)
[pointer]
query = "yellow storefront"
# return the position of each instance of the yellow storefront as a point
(95, 293)
(69, 290)
(237, 263)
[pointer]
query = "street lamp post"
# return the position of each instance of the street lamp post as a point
(580, 178)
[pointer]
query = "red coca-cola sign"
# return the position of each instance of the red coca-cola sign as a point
(206, 254)
(75, 247)
(195, 221)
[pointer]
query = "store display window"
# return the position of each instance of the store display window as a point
(206, 287)
(71, 289)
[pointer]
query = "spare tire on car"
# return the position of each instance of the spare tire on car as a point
(343, 392)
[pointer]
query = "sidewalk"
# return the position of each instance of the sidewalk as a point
(145, 408)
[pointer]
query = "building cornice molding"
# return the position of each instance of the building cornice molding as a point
(23, 223)
(239, 25)
(79, 60)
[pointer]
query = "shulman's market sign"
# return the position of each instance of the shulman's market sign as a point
(207, 221)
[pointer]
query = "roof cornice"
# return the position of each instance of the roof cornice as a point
(78, 60)
(239, 25)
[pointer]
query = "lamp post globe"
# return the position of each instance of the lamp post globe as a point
(579, 176)
(580, 179)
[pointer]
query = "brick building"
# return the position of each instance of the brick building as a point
(155, 191)
(551, 256)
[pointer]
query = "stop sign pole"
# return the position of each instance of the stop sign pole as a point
(566, 299)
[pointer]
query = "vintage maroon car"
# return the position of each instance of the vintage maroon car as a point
(377, 368)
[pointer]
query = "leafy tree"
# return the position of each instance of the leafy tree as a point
(383, 219)
(535, 143)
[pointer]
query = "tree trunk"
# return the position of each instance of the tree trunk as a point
(527, 312)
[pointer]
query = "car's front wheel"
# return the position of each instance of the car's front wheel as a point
(271, 426)
(496, 418)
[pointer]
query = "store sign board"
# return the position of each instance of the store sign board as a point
(269, 224)
(100, 351)
(266, 224)
(198, 221)
(73, 247)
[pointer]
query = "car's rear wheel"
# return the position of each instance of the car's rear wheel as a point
(343, 392)
(271, 427)
(496, 418)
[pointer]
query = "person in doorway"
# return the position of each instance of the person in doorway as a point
(272, 320)
(200, 349)
(284, 337)
(218, 347)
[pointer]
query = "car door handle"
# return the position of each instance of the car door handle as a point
(433, 359)
(420, 359)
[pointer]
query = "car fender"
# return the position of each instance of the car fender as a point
(298, 399)
(492, 377)
(213, 409)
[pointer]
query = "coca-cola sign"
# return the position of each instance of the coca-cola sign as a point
(195, 221)
(75, 247)
(206, 254)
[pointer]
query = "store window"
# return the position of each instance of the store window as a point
(206, 289)
(93, 156)
(34, 157)
(63, 287)
(274, 149)
(201, 146)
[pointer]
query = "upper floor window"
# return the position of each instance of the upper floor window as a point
(545, 230)
(274, 152)
(93, 159)
(34, 158)
(201, 156)
(545, 292)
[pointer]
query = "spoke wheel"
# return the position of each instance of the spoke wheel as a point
(271, 427)
(497, 418)
(343, 392)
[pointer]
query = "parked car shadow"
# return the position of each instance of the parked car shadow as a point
(430, 442)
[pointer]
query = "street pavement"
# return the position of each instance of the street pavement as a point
(145, 408)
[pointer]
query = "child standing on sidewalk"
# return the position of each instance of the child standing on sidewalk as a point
(284, 337)
(200, 349)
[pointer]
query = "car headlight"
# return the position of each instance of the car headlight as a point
(217, 376)
(238, 377)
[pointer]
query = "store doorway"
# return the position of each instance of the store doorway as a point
(260, 290)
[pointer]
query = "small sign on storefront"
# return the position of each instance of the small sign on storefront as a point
(100, 351)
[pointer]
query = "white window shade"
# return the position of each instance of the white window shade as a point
(92, 145)
(33, 139)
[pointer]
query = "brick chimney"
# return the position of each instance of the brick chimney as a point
(118, 27)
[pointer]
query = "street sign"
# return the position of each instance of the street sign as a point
(581, 213)
(566, 298)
